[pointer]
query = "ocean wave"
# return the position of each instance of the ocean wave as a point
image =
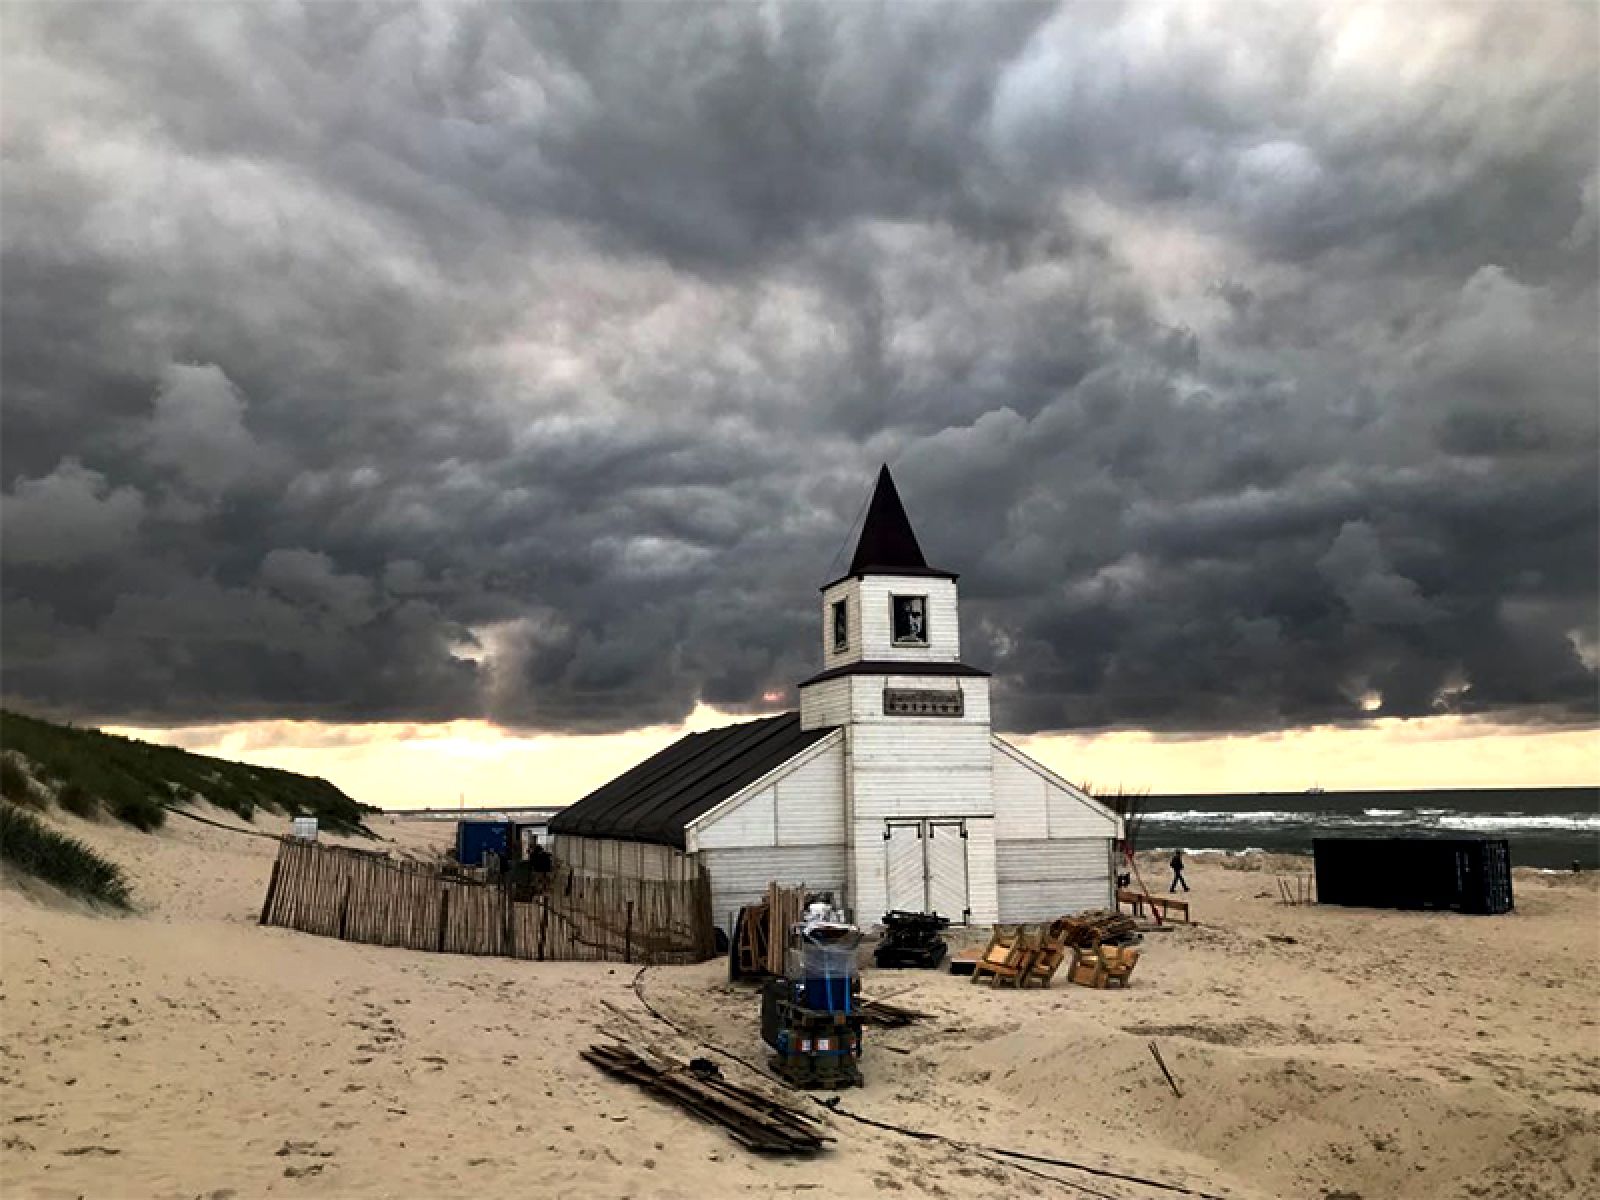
(1266, 817)
(1380, 818)
(1521, 821)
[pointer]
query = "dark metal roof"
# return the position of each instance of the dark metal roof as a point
(897, 668)
(656, 799)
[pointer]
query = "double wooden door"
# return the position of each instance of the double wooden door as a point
(927, 866)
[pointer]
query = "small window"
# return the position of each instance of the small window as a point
(841, 625)
(908, 620)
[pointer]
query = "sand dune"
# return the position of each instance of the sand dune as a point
(186, 1052)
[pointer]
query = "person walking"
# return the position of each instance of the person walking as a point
(1176, 863)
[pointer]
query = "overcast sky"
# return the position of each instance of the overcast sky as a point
(370, 362)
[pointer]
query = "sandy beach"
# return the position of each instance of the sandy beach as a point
(1323, 1053)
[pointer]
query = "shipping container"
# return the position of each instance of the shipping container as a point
(1470, 875)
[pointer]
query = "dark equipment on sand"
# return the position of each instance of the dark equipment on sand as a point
(1469, 875)
(912, 940)
(811, 1015)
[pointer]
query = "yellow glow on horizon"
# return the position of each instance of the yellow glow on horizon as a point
(481, 765)
(1432, 752)
(470, 763)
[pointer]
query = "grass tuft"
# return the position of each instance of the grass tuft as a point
(35, 849)
(78, 800)
(143, 812)
(15, 785)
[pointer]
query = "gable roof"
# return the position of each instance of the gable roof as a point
(656, 799)
(888, 545)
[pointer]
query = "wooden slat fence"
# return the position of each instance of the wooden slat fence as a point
(362, 897)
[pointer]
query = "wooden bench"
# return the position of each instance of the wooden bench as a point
(1160, 906)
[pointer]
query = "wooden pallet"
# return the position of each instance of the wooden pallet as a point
(752, 1118)
(750, 941)
(762, 933)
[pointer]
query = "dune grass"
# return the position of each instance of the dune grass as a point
(33, 848)
(15, 785)
(134, 781)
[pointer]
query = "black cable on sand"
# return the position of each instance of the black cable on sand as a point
(1009, 1158)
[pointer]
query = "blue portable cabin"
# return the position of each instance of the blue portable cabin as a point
(474, 839)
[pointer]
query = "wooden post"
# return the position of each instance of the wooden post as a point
(444, 913)
(508, 939)
(544, 923)
(272, 890)
(1162, 1063)
(627, 937)
(344, 909)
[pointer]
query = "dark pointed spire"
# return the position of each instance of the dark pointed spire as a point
(887, 545)
(887, 542)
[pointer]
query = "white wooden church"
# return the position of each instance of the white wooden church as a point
(888, 788)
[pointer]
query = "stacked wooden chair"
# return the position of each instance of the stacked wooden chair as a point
(1022, 955)
(1102, 966)
(1047, 959)
(1007, 956)
(1118, 962)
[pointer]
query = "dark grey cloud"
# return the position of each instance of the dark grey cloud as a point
(531, 362)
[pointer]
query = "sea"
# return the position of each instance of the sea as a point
(1552, 828)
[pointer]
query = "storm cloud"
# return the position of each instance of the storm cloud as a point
(376, 362)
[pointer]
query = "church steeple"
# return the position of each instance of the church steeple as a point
(887, 541)
(892, 625)
(888, 545)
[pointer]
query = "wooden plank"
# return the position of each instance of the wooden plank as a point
(759, 1121)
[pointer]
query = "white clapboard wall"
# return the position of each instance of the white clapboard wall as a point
(1054, 843)
(787, 827)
